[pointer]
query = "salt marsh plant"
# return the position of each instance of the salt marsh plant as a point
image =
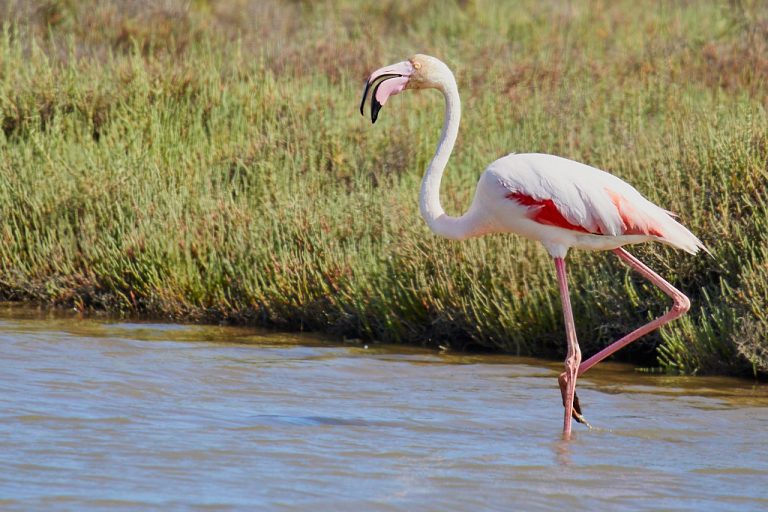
(204, 161)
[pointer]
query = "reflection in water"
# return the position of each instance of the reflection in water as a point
(140, 416)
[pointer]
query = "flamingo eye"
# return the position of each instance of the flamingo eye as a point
(417, 65)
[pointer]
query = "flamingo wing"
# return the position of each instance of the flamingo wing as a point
(574, 196)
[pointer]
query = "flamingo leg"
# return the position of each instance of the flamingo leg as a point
(573, 358)
(680, 306)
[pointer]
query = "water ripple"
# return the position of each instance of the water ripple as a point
(136, 416)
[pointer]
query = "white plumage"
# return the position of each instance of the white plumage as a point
(609, 211)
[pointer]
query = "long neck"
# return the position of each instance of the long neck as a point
(429, 197)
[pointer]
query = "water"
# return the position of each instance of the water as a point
(98, 415)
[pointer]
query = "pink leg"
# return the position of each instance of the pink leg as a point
(572, 360)
(679, 307)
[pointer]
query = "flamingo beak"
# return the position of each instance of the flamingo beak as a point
(386, 82)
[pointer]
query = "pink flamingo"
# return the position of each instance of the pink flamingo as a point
(559, 202)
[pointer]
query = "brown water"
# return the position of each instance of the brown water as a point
(99, 415)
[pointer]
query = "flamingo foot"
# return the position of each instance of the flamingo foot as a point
(576, 412)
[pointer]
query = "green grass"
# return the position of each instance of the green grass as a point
(205, 161)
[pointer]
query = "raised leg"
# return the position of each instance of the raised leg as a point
(573, 358)
(679, 307)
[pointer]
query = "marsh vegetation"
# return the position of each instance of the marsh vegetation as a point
(204, 161)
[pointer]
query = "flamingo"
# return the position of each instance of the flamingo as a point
(559, 202)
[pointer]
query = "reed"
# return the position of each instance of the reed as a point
(204, 161)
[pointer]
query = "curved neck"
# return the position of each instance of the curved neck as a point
(429, 198)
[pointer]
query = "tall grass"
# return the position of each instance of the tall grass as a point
(204, 160)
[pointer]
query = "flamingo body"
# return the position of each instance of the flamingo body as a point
(559, 202)
(562, 204)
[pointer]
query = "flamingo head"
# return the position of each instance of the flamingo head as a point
(418, 72)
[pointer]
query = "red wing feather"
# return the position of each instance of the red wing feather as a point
(544, 211)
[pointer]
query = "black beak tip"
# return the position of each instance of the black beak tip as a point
(375, 105)
(365, 95)
(375, 108)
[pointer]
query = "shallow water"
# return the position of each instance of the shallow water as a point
(99, 415)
